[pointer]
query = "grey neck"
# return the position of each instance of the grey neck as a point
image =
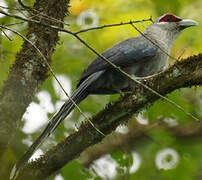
(164, 38)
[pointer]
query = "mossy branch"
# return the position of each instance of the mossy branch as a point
(185, 73)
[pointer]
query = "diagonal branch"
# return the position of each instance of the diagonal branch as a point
(185, 73)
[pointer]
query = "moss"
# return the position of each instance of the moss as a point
(139, 98)
(175, 73)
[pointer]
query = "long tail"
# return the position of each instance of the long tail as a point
(80, 94)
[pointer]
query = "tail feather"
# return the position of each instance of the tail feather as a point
(67, 107)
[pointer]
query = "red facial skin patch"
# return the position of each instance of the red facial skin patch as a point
(169, 18)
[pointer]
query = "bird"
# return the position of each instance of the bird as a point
(140, 56)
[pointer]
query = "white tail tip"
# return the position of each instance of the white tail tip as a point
(14, 173)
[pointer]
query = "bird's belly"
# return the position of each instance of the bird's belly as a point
(147, 67)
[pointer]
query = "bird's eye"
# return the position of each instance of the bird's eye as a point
(169, 18)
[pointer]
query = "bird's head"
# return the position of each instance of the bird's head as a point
(166, 28)
(171, 22)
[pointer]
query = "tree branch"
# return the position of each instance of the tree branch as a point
(184, 73)
(29, 70)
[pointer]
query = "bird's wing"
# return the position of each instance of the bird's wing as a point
(123, 54)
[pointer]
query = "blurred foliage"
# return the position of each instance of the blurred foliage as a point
(71, 57)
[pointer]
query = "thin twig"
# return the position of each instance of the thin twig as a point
(16, 9)
(24, 6)
(50, 18)
(184, 50)
(13, 24)
(111, 25)
(7, 36)
(18, 17)
(34, 21)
